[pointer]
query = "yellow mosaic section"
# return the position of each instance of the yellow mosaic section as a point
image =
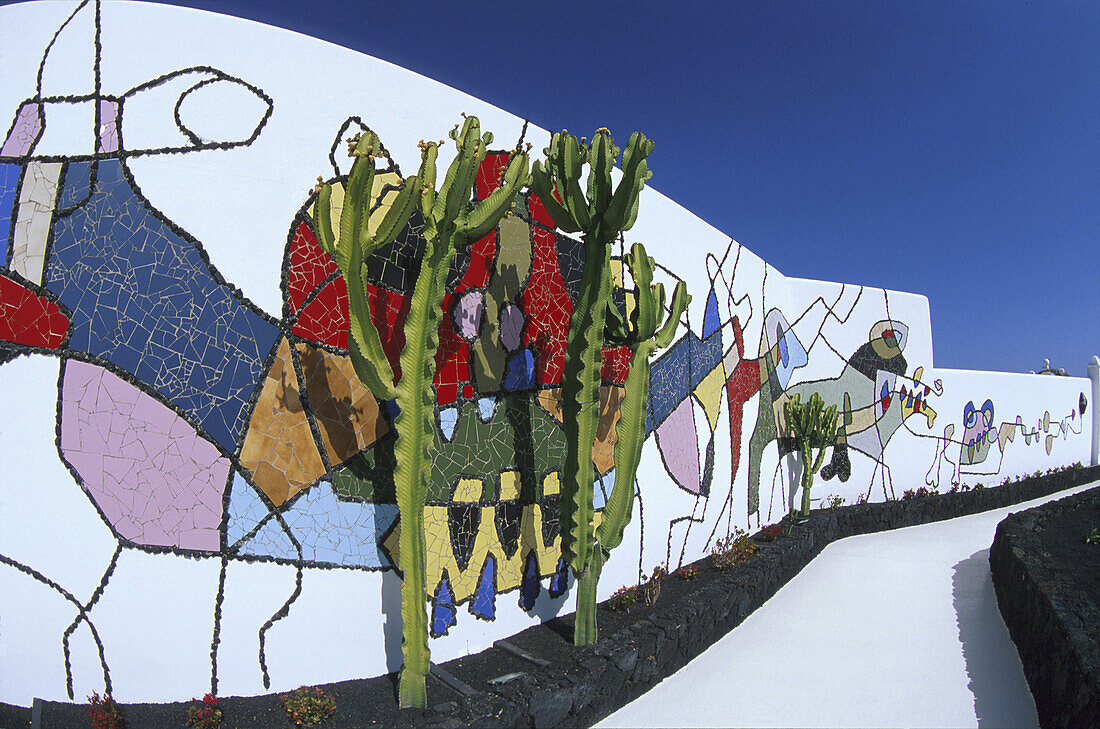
(509, 570)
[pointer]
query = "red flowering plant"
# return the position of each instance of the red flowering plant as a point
(104, 712)
(206, 715)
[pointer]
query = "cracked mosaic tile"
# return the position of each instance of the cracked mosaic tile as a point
(28, 318)
(109, 430)
(143, 298)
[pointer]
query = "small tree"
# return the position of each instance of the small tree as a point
(811, 425)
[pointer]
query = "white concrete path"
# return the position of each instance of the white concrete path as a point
(896, 629)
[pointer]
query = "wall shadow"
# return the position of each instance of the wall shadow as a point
(1001, 694)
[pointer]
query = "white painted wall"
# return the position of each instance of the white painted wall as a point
(156, 617)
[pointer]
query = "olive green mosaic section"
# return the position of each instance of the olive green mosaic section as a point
(519, 436)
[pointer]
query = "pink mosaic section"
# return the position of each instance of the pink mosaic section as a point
(155, 480)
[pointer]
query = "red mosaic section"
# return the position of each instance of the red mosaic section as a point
(30, 319)
(539, 212)
(325, 319)
(452, 359)
(308, 266)
(616, 364)
(388, 312)
(482, 254)
(548, 309)
(490, 172)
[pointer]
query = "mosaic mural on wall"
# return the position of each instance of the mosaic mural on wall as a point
(200, 424)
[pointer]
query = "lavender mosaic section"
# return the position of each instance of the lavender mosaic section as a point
(155, 480)
(679, 446)
(144, 299)
(25, 131)
(329, 530)
(108, 126)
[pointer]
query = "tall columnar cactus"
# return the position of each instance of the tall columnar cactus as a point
(600, 214)
(450, 221)
(811, 425)
(644, 333)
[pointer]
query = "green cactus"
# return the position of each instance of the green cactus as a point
(811, 425)
(644, 334)
(450, 222)
(600, 214)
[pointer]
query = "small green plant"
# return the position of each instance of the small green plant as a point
(623, 598)
(307, 706)
(1093, 537)
(736, 548)
(833, 501)
(908, 494)
(978, 486)
(104, 712)
(863, 498)
(206, 715)
(651, 588)
(811, 425)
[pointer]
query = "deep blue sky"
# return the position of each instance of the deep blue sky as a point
(950, 149)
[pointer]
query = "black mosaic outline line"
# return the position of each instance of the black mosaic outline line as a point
(641, 528)
(215, 640)
(283, 611)
(98, 76)
(46, 53)
(195, 139)
(148, 548)
(83, 616)
(292, 320)
(31, 572)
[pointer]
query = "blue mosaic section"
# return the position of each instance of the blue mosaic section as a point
(77, 185)
(444, 614)
(331, 531)
(144, 299)
(711, 319)
(530, 588)
(484, 604)
(678, 372)
(9, 183)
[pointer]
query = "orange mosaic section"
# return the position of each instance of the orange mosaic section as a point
(603, 450)
(279, 448)
(346, 413)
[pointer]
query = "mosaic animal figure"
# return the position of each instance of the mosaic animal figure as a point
(873, 396)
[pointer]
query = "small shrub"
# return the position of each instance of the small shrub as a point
(909, 494)
(104, 712)
(770, 533)
(863, 498)
(978, 486)
(622, 599)
(206, 715)
(1093, 537)
(308, 706)
(954, 488)
(737, 547)
(832, 501)
(688, 572)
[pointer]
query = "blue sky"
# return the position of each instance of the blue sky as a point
(943, 148)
